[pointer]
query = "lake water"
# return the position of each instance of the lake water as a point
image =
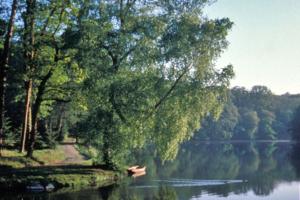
(206, 171)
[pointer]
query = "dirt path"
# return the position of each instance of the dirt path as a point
(72, 156)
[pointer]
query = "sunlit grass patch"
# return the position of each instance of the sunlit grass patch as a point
(15, 159)
(49, 156)
(11, 153)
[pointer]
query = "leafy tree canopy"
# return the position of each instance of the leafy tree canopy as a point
(150, 73)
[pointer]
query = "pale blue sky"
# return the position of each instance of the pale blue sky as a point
(264, 42)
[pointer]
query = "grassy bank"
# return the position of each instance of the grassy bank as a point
(17, 171)
(14, 159)
(73, 177)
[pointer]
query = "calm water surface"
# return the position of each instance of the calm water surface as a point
(206, 171)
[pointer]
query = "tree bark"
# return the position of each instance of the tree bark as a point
(3, 65)
(167, 94)
(29, 54)
(37, 105)
(29, 126)
(27, 116)
(35, 111)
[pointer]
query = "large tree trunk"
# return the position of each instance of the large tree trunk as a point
(35, 111)
(3, 66)
(29, 54)
(36, 108)
(29, 127)
(27, 116)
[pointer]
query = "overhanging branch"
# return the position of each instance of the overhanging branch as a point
(167, 94)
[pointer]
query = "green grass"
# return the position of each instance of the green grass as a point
(50, 156)
(88, 152)
(14, 159)
(11, 153)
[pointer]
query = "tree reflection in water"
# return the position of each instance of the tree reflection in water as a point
(262, 165)
(295, 158)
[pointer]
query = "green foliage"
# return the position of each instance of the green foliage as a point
(254, 114)
(150, 77)
(119, 75)
(265, 130)
(224, 129)
(247, 126)
(10, 136)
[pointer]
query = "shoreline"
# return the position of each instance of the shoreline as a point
(247, 141)
(61, 177)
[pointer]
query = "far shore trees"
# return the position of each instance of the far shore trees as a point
(254, 114)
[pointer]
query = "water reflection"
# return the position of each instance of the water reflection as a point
(262, 166)
(295, 158)
(232, 170)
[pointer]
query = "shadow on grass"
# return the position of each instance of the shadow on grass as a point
(67, 143)
(16, 159)
(38, 161)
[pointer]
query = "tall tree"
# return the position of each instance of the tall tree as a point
(150, 73)
(46, 56)
(4, 56)
(29, 63)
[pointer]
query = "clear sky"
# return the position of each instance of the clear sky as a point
(264, 42)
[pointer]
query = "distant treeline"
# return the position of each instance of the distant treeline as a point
(253, 114)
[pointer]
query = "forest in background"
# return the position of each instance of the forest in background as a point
(255, 114)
